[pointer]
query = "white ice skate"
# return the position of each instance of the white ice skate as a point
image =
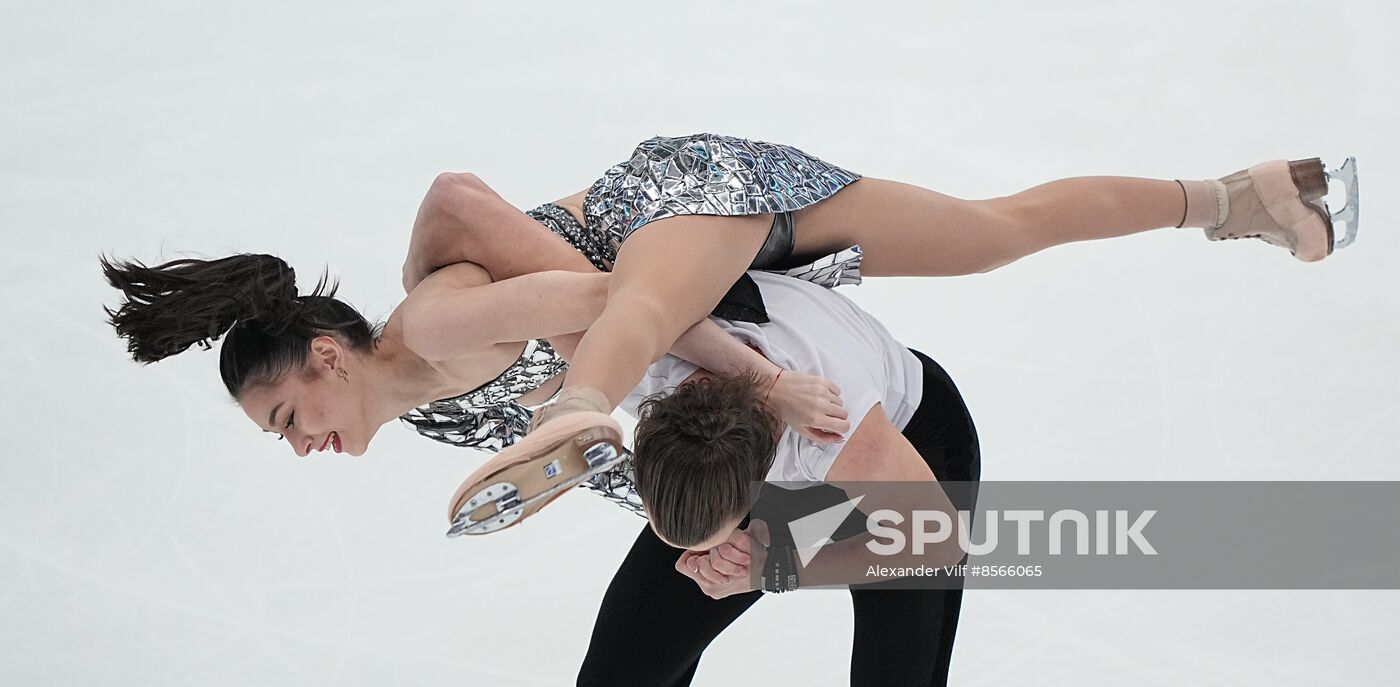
(1282, 203)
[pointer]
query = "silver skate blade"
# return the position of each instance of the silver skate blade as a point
(1348, 214)
(600, 457)
(508, 508)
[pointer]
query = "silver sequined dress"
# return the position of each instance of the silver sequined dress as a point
(704, 174)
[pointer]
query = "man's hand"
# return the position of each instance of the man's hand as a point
(721, 571)
(811, 405)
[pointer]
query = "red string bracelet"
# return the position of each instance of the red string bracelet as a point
(770, 387)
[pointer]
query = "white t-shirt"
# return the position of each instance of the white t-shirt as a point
(815, 330)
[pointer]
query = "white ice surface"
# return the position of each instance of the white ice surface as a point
(149, 535)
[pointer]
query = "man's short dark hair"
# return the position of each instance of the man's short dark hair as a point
(696, 451)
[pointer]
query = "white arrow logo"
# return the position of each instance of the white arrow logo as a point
(811, 532)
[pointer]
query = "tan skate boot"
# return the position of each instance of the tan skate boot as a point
(1281, 203)
(529, 475)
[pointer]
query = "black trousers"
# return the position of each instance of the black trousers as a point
(654, 622)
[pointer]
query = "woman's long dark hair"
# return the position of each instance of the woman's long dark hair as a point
(251, 297)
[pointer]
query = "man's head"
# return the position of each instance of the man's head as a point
(696, 452)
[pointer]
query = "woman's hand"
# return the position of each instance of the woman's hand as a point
(811, 405)
(721, 571)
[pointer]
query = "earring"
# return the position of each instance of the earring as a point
(343, 374)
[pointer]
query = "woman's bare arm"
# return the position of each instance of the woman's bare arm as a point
(458, 309)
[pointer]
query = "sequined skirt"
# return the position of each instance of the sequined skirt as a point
(705, 174)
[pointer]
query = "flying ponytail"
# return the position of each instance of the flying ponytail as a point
(252, 298)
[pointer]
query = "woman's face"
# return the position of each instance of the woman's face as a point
(315, 408)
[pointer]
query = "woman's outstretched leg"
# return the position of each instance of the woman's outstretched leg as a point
(907, 230)
(669, 276)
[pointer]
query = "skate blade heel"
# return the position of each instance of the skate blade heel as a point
(1310, 178)
(1346, 174)
(528, 476)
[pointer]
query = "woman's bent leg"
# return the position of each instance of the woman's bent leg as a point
(907, 230)
(654, 622)
(668, 275)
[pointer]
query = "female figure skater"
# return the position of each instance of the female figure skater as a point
(712, 206)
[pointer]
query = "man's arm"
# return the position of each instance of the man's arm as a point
(877, 452)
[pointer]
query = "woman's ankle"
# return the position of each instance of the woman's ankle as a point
(1203, 203)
